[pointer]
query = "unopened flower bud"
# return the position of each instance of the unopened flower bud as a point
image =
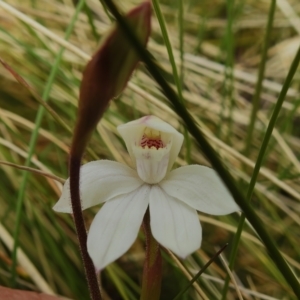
(108, 72)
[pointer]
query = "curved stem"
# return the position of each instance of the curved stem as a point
(152, 273)
(74, 171)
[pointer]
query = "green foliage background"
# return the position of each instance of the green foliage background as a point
(218, 53)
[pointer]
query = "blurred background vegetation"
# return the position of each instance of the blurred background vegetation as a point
(217, 46)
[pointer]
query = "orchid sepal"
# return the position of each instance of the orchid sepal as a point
(173, 197)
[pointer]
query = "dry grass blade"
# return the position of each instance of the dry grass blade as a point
(32, 170)
(31, 34)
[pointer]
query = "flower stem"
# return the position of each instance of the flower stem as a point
(90, 273)
(152, 273)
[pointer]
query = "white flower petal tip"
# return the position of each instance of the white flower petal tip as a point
(63, 205)
(116, 226)
(134, 132)
(174, 224)
(201, 188)
(100, 181)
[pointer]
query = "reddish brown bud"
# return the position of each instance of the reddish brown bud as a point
(108, 72)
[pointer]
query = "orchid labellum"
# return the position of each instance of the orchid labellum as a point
(173, 196)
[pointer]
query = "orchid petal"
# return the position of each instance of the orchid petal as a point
(174, 224)
(116, 226)
(132, 133)
(201, 188)
(100, 181)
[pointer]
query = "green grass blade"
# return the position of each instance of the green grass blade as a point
(166, 38)
(255, 107)
(33, 140)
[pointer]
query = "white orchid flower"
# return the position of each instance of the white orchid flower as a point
(173, 197)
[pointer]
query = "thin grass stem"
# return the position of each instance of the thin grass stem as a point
(195, 278)
(255, 107)
(166, 38)
(261, 73)
(181, 41)
(228, 72)
(89, 15)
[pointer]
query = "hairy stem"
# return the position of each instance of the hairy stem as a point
(90, 273)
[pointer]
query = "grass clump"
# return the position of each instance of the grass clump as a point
(217, 50)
